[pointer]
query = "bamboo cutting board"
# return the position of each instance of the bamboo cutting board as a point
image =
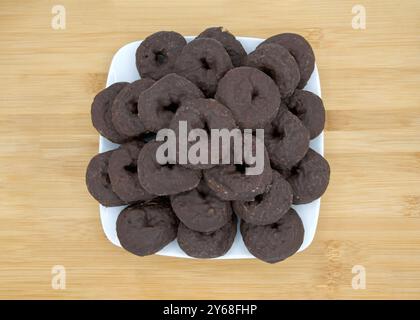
(370, 215)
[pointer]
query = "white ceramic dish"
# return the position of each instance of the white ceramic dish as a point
(123, 68)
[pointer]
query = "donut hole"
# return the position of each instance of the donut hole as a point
(106, 181)
(259, 198)
(131, 168)
(277, 133)
(204, 63)
(297, 110)
(276, 225)
(160, 57)
(254, 94)
(133, 108)
(171, 107)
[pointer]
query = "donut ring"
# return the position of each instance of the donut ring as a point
(158, 104)
(200, 210)
(300, 49)
(204, 114)
(230, 182)
(146, 228)
(204, 61)
(160, 179)
(277, 241)
(268, 207)
(279, 64)
(124, 109)
(308, 107)
(207, 245)
(310, 178)
(286, 140)
(156, 55)
(233, 47)
(101, 113)
(123, 173)
(251, 95)
(98, 182)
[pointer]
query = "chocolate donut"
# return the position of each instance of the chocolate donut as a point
(124, 109)
(123, 173)
(269, 206)
(286, 140)
(206, 114)
(200, 210)
(230, 181)
(98, 182)
(101, 113)
(158, 104)
(165, 179)
(309, 178)
(204, 62)
(300, 49)
(207, 245)
(276, 61)
(156, 55)
(146, 228)
(251, 95)
(308, 107)
(233, 47)
(277, 241)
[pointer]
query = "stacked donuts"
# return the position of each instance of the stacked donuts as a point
(211, 83)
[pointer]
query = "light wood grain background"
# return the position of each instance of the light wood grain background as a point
(370, 214)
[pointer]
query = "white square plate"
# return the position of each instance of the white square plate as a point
(123, 68)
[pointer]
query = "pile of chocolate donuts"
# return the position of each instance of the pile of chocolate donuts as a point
(211, 83)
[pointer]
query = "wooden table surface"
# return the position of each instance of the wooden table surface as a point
(370, 215)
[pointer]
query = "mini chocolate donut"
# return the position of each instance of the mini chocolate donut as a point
(158, 104)
(286, 140)
(207, 245)
(123, 173)
(251, 95)
(269, 206)
(200, 210)
(124, 109)
(233, 47)
(277, 241)
(309, 178)
(98, 182)
(276, 61)
(156, 55)
(206, 114)
(165, 179)
(230, 181)
(101, 113)
(300, 49)
(204, 62)
(146, 228)
(308, 107)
